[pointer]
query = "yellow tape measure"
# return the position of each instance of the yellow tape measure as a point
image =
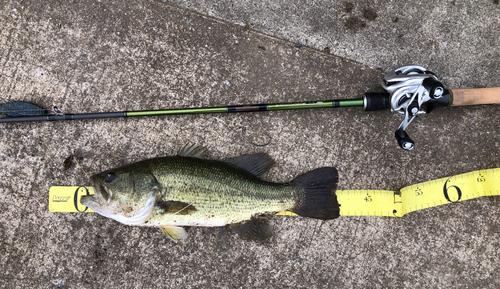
(355, 202)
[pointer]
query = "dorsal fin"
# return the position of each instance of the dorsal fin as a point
(192, 151)
(256, 164)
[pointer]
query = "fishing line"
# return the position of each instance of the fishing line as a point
(381, 203)
(243, 132)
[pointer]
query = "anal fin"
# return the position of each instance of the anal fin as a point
(257, 228)
(174, 233)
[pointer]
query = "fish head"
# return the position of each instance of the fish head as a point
(126, 195)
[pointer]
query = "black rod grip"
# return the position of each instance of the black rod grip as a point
(376, 101)
(63, 117)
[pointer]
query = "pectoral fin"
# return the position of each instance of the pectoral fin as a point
(174, 233)
(176, 208)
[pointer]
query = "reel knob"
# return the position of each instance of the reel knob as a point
(404, 140)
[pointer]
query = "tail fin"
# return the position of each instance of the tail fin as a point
(317, 197)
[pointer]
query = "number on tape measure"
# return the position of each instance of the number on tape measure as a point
(418, 192)
(447, 196)
(77, 196)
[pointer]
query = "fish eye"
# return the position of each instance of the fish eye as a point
(109, 177)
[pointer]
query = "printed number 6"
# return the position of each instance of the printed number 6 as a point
(445, 191)
(75, 198)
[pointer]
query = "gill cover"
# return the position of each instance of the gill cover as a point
(127, 194)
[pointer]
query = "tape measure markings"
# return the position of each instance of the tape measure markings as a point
(368, 203)
(354, 202)
(451, 190)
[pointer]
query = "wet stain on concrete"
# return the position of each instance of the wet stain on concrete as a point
(370, 14)
(354, 21)
(348, 7)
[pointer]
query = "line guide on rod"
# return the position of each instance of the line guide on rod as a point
(354, 202)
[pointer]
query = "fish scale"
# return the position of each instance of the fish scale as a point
(228, 195)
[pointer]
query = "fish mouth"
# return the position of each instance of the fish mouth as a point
(101, 190)
(101, 195)
(89, 201)
(105, 193)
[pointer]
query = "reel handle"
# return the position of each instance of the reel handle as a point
(404, 140)
(475, 96)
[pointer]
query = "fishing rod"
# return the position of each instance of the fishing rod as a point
(410, 91)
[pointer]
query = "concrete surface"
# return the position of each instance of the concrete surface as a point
(127, 55)
(458, 40)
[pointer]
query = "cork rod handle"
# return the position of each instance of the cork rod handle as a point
(475, 96)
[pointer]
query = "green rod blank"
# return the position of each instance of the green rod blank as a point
(201, 110)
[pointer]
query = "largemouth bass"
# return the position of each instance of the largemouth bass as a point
(188, 190)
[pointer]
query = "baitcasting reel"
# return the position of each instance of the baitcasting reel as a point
(413, 90)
